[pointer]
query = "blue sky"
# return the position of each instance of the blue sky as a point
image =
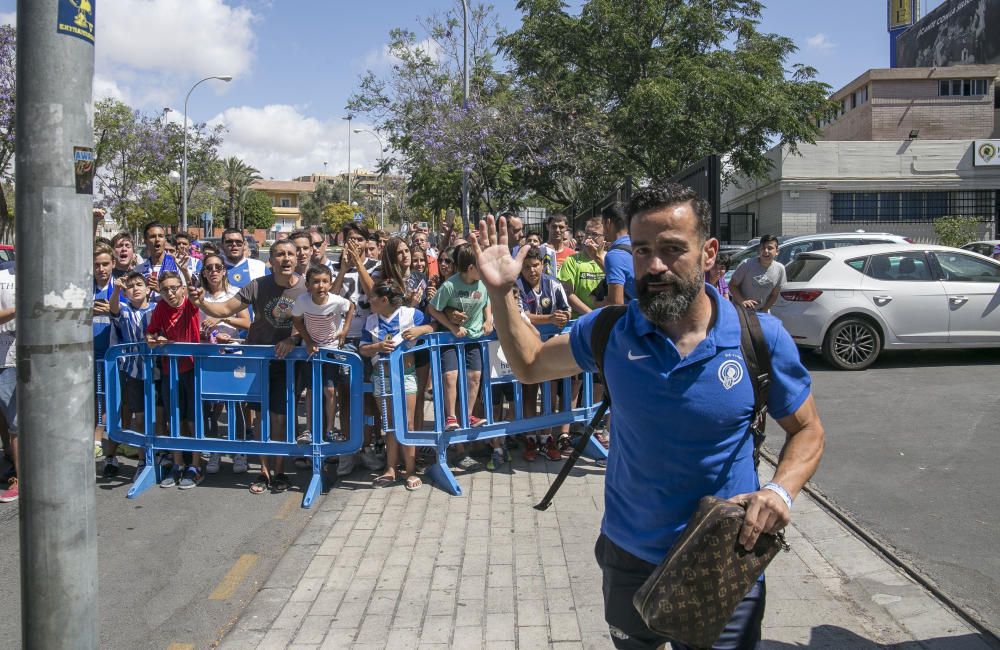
(295, 62)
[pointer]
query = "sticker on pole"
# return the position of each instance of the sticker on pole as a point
(499, 367)
(83, 169)
(76, 18)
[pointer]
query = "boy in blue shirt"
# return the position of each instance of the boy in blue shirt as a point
(104, 334)
(131, 319)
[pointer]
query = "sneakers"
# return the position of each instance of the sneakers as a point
(10, 494)
(530, 450)
(476, 422)
(239, 464)
(346, 465)
(467, 463)
(172, 479)
(192, 477)
(111, 467)
(451, 423)
(552, 452)
(304, 438)
(334, 435)
(603, 438)
(372, 461)
(213, 464)
(497, 459)
(565, 444)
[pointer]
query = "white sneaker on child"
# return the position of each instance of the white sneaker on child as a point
(213, 464)
(239, 463)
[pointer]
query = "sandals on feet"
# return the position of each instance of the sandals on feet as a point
(384, 481)
(413, 482)
(280, 483)
(260, 484)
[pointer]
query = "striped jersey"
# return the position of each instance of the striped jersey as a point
(131, 323)
(322, 321)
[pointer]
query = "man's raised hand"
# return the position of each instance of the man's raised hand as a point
(497, 269)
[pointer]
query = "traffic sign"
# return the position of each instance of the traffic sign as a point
(359, 216)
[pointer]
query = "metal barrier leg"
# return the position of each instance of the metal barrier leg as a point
(441, 474)
(316, 482)
(595, 450)
(147, 477)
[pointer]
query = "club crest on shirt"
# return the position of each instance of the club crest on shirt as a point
(730, 373)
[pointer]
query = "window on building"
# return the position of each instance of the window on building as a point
(910, 206)
(963, 87)
(854, 100)
(286, 203)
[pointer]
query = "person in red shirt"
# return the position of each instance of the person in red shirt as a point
(176, 320)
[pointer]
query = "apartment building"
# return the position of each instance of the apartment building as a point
(899, 152)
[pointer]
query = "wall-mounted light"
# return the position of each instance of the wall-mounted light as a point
(914, 134)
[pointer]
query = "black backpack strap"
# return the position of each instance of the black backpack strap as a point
(604, 322)
(757, 356)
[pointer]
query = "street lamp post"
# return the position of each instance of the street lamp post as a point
(349, 118)
(465, 108)
(184, 163)
(382, 193)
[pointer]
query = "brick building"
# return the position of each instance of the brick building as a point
(897, 154)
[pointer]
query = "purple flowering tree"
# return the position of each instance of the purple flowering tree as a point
(8, 94)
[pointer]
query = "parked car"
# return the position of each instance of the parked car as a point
(789, 248)
(852, 303)
(6, 253)
(985, 247)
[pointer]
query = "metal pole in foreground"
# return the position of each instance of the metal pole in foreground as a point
(465, 107)
(55, 353)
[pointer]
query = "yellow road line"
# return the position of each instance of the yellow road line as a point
(180, 646)
(234, 577)
(291, 502)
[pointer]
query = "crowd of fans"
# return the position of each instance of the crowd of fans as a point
(384, 292)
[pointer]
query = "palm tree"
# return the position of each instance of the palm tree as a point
(239, 176)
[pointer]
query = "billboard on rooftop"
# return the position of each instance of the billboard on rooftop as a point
(958, 32)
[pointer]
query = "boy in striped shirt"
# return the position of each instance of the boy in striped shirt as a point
(323, 319)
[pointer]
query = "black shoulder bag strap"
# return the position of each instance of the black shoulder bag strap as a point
(758, 359)
(604, 322)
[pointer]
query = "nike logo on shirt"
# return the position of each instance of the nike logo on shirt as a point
(632, 357)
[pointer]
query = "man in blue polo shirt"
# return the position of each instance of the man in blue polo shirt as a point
(618, 271)
(682, 404)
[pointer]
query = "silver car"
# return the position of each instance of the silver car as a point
(854, 302)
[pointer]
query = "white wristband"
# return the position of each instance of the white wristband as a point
(780, 491)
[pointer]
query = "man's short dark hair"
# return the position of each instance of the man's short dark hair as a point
(301, 234)
(555, 217)
(318, 269)
(122, 236)
(464, 257)
(615, 213)
(534, 253)
(135, 275)
(168, 275)
(663, 196)
(232, 231)
(280, 242)
(149, 226)
(182, 235)
(766, 239)
(351, 226)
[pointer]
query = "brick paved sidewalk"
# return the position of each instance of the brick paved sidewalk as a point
(386, 568)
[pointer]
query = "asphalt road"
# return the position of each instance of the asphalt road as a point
(162, 555)
(912, 451)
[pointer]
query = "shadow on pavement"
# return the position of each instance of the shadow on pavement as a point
(833, 637)
(915, 359)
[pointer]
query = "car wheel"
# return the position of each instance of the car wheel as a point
(852, 344)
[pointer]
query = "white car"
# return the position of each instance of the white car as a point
(854, 302)
(790, 247)
(985, 247)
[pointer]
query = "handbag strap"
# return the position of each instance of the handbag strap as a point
(757, 356)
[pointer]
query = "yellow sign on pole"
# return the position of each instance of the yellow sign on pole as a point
(900, 13)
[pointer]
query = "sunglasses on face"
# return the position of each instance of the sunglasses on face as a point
(317, 244)
(214, 267)
(171, 289)
(233, 242)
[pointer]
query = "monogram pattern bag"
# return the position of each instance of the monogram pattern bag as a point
(693, 593)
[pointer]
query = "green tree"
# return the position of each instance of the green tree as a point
(335, 215)
(650, 87)
(257, 211)
(8, 99)
(956, 231)
(238, 177)
(312, 204)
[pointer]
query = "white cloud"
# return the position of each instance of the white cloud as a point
(283, 143)
(105, 88)
(189, 37)
(383, 58)
(820, 41)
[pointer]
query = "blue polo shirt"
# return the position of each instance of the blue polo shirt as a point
(618, 267)
(681, 427)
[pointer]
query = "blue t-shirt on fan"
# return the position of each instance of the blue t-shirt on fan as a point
(681, 426)
(618, 267)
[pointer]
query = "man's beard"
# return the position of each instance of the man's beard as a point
(670, 305)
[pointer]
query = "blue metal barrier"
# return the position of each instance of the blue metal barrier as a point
(232, 374)
(439, 438)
